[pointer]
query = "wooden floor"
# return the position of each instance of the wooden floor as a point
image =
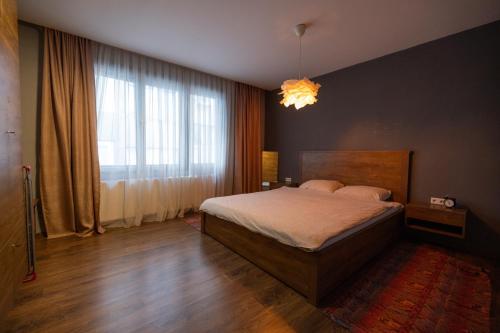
(164, 277)
(156, 278)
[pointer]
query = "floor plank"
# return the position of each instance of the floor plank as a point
(163, 277)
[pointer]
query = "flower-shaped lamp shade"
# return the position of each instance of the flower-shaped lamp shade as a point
(299, 92)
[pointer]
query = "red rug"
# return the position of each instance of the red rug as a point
(194, 220)
(415, 288)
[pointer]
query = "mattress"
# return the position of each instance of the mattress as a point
(303, 218)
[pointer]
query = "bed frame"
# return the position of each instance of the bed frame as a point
(316, 274)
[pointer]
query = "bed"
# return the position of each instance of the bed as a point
(311, 263)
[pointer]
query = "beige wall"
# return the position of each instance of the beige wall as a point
(30, 61)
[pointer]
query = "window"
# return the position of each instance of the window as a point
(152, 125)
(163, 136)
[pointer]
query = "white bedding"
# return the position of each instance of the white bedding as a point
(298, 217)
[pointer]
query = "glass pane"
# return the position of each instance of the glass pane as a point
(163, 126)
(116, 121)
(203, 129)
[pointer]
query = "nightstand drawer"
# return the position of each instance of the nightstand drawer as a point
(436, 215)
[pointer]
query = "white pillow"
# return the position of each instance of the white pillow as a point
(322, 185)
(364, 192)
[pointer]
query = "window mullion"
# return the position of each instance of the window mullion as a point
(186, 130)
(141, 122)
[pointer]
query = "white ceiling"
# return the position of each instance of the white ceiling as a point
(252, 41)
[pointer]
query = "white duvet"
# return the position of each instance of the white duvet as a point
(302, 218)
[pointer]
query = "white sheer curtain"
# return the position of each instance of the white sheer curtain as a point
(164, 137)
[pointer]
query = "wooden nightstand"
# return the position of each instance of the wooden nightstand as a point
(275, 185)
(436, 219)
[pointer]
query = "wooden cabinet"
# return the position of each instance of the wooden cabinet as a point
(12, 267)
(13, 260)
(436, 219)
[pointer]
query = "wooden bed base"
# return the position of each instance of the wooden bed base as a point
(316, 274)
(312, 274)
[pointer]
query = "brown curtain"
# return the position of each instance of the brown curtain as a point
(249, 111)
(69, 166)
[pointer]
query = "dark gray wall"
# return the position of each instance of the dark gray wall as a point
(440, 99)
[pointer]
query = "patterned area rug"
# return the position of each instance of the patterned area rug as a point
(194, 220)
(415, 288)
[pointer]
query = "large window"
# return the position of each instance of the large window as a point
(163, 135)
(155, 126)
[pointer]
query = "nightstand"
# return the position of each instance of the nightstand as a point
(275, 185)
(436, 219)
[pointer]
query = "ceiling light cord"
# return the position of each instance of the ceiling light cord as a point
(300, 57)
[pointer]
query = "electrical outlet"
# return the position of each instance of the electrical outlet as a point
(437, 201)
(288, 180)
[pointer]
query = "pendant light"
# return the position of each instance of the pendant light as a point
(300, 92)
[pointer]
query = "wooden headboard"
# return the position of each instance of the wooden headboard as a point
(387, 169)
